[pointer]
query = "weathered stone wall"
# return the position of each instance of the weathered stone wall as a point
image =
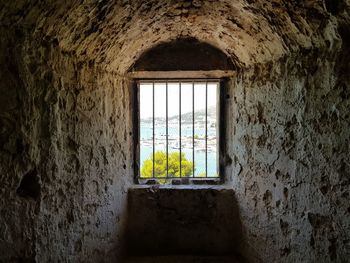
(289, 145)
(89, 164)
(66, 122)
(70, 125)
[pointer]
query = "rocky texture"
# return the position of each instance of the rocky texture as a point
(290, 155)
(69, 124)
(66, 147)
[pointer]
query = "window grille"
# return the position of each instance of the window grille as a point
(178, 129)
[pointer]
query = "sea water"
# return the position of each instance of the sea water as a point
(146, 145)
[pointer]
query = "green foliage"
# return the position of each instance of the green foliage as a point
(202, 174)
(160, 165)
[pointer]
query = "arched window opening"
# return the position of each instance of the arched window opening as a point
(179, 124)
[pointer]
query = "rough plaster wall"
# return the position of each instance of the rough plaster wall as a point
(89, 164)
(290, 160)
(92, 162)
(19, 151)
(65, 117)
(71, 124)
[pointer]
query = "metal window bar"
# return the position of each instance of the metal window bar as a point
(180, 145)
(167, 131)
(153, 130)
(193, 82)
(206, 129)
(193, 170)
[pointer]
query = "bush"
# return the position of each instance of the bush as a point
(160, 165)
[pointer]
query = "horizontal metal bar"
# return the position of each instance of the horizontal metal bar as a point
(181, 178)
(189, 81)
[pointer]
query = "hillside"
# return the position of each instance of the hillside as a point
(186, 118)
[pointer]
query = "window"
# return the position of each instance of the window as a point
(180, 118)
(178, 123)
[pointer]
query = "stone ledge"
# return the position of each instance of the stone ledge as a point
(180, 259)
(181, 187)
(182, 220)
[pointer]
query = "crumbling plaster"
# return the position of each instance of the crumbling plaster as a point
(66, 116)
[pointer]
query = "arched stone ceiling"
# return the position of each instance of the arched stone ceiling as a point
(116, 33)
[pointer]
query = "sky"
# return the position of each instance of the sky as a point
(146, 98)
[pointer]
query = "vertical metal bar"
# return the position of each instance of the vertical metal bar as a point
(137, 105)
(221, 117)
(180, 128)
(193, 129)
(153, 103)
(206, 129)
(166, 125)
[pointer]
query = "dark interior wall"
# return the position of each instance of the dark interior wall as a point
(65, 115)
(17, 217)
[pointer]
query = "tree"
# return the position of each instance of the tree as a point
(160, 165)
